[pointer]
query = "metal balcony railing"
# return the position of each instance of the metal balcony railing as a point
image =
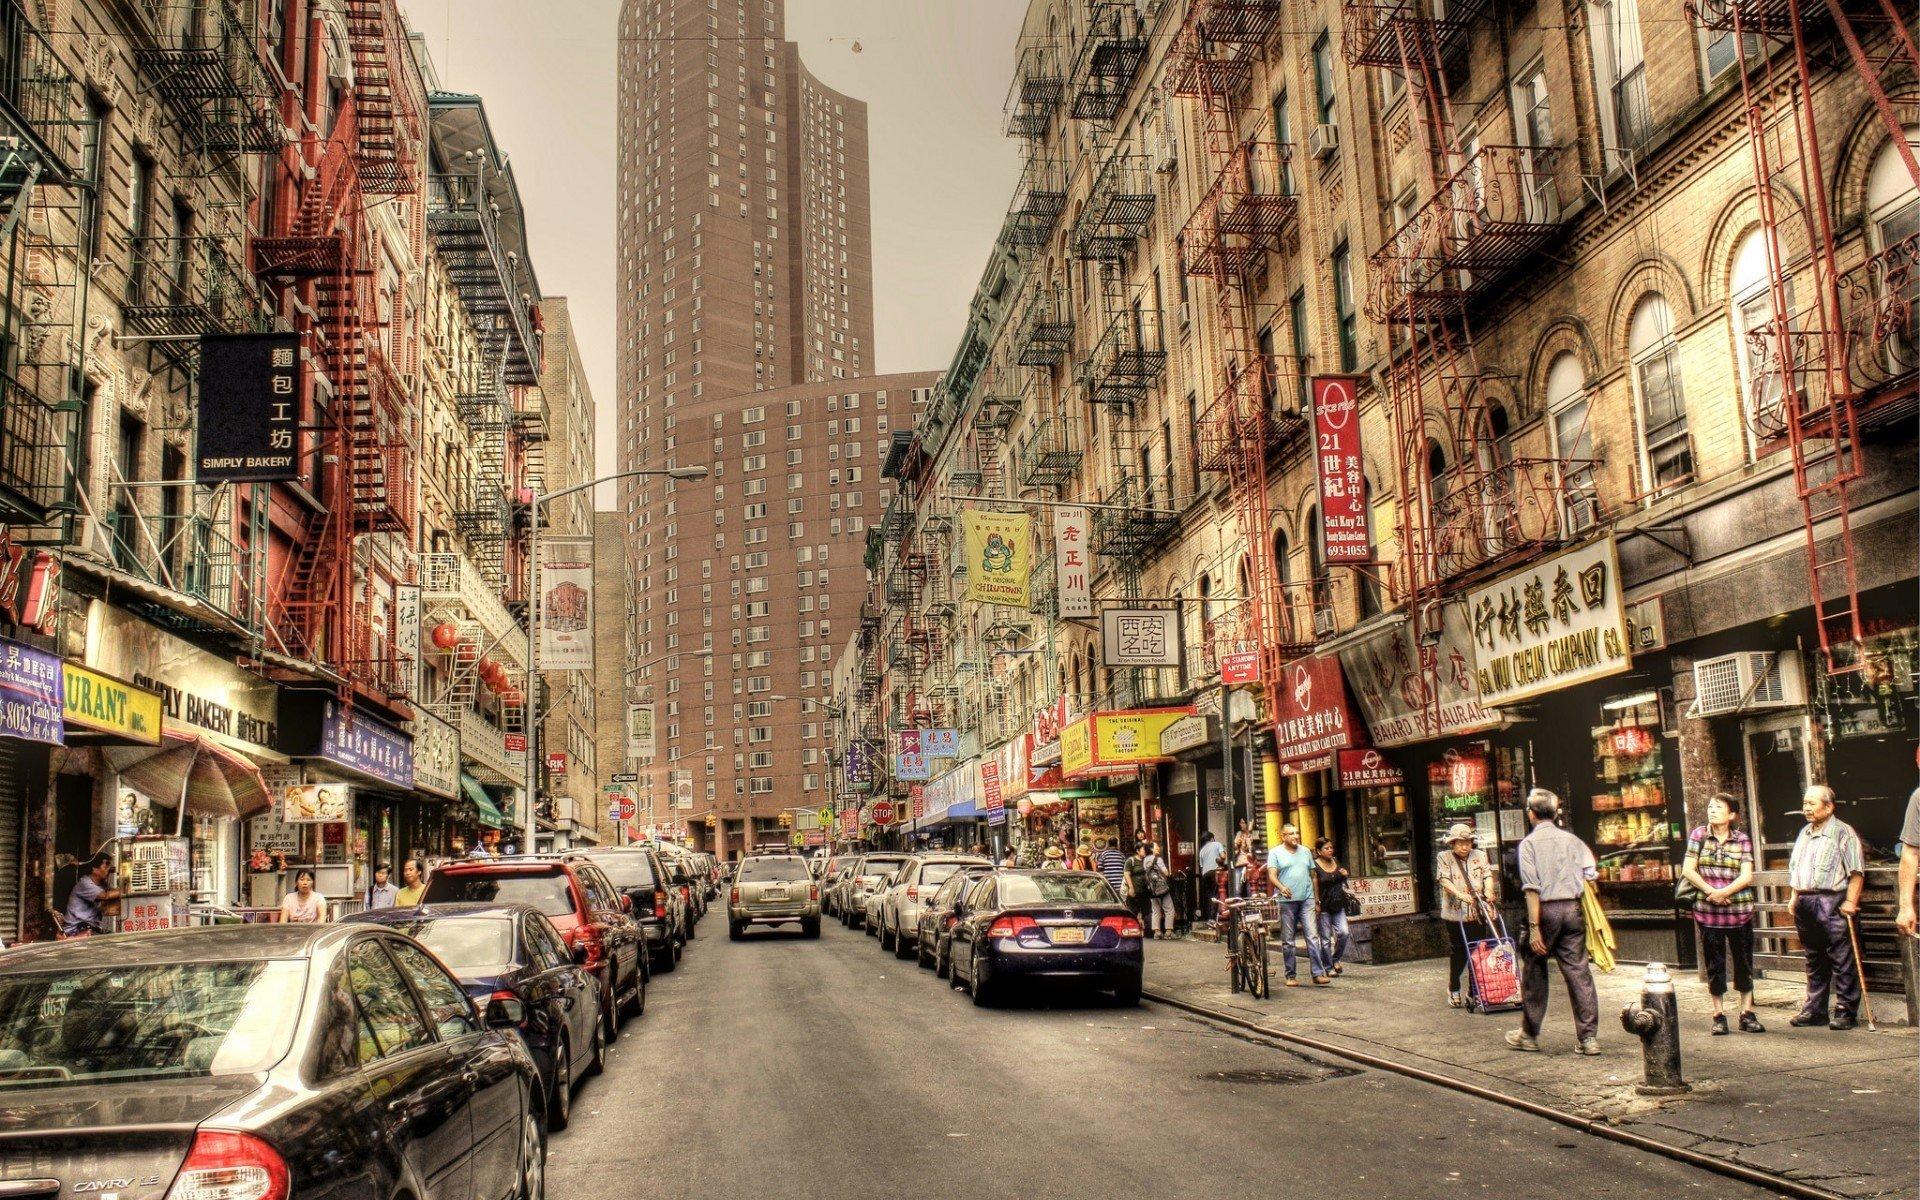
(204, 60)
(1399, 35)
(1050, 453)
(1111, 51)
(1044, 333)
(484, 744)
(452, 578)
(33, 453)
(1119, 210)
(463, 214)
(1880, 306)
(1037, 89)
(1128, 360)
(40, 101)
(1491, 519)
(1256, 409)
(1134, 521)
(1038, 200)
(185, 553)
(185, 286)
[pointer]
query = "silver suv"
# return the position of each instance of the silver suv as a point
(773, 889)
(861, 892)
(898, 910)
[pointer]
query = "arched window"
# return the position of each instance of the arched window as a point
(1572, 441)
(1436, 481)
(1207, 647)
(1283, 574)
(1318, 579)
(1893, 221)
(1666, 451)
(1756, 349)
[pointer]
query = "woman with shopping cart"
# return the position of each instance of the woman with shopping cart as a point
(1467, 885)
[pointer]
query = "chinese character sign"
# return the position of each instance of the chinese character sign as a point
(1140, 637)
(859, 765)
(249, 407)
(910, 759)
(1559, 622)
(1346, 533)
(32, 694)
(1073, 561)
(1311, 712)
(999, 557)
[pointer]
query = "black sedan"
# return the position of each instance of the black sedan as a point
(1046, 927)
(259, 1062)
(504, 953)
(938, 916)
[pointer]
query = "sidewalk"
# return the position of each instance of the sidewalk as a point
(1834, 1110)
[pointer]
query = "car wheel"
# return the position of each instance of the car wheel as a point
(886, 938)
(690, 921)
(637, 1007)
(533, 1159)
(663, 961)
(597, 1057)
(560, 1104)
(679, 949)
(982, 996)
(920, 956)
(810, 929)
(900, 947)
(610, 1015)
(735, 931)
(940, 968)
(1128, 993)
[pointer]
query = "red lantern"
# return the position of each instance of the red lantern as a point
(486, 668)
(446, 635)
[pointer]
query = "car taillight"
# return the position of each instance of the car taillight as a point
(1126, 927)
(659, 904)
(1011, 927)
(736, 896)
(230, 1166)
(813, 892)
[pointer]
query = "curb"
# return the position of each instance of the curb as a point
(1587, 1125)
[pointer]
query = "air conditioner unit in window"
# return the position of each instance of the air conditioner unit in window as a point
(1166, 151)
(1186, 313)
(1323, 141)
(1323, 622)
(1750, 681)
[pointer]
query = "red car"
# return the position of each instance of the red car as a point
(593, 918)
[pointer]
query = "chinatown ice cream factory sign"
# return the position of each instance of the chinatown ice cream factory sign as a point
(1560, 622)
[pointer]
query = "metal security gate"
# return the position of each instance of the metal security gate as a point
(16, 763)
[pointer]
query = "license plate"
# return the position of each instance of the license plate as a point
(1068, 936)
(771, 894)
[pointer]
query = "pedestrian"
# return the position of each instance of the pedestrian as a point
(1212, 852)
(1554, 869)
(1291, 866)
(1243, 840)
(89, 898)
(1011, 858)
(1159, 890)
(1906, 919)
(1330, 893)
(1082, 859)
(382, 894)
(413, 884)
(1826, 873)
(1112, 864)
(1138, 897)
(1054, 859)
(303, 905)
(1466, 894)
(1719, 864)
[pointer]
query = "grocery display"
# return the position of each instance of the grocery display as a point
(1635, 840)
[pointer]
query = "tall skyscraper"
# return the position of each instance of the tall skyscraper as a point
(746, 267)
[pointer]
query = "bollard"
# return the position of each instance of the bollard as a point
(1655, 1020)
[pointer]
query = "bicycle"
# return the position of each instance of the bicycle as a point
(1249, 967)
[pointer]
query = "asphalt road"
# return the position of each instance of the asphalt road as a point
(783, 1069)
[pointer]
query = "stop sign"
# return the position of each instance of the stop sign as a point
(620, 808)
(881, 812)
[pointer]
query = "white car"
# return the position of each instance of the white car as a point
(862, 891)
(898, 911)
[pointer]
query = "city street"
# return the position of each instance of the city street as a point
(778, 1067)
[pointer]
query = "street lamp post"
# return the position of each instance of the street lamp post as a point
(529, 824)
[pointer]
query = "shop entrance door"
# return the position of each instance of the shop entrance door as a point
(1777, 776)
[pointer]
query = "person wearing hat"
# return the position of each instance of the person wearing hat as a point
(1054, 857)
(1466, 894)
(1082, 859)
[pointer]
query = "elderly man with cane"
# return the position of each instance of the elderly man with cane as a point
(1826, 873)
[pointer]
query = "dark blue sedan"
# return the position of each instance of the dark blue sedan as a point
(513, 963)
(1046, 927)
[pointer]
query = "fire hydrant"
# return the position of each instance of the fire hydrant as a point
(1655, 1020)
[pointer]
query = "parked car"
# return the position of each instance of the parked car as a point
(592, 917)
(933, 936)
(502, 952)
(911, 886)
(869, 878)
(683, 876)
(773, 889)
(261, 1061)
(833, 899)
(638, 873)
(1046, 927)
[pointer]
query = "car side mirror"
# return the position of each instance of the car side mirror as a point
(580, 955)
(505, 1013)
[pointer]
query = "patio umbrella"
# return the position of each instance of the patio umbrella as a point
(207, 779)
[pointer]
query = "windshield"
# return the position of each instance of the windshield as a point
(937, 872)
(763, 870)
(627, 870)
(547, 892)
(468, 945)
(140, 1023)
(1051, 888)
(873, 868)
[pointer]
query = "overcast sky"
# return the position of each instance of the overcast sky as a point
(933, 74)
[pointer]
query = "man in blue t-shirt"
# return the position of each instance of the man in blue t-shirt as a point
(1290, 865)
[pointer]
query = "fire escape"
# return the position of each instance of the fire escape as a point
(1836, 350)
(1490, 209)
(320, 606)
(1248, 211)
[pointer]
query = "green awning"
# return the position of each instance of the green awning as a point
(483, 804)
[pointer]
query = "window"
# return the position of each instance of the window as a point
(448, 1008)
(1302, 346)
(1323, 77)
(389, 1022)
(1345, 308)
(1893, 234)
(1283, 134)
(1572, 441)
(1666, 450)
(1756, 338)
(1619, 62)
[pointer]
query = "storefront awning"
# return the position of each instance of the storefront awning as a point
(488, 812)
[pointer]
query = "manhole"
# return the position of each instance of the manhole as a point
(1274, 1075)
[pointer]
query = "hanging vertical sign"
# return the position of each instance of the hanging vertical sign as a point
(992, 794)
(1073, 570)
(249, 407)
(566, 606)
(640, 744)
(406, 632)
(999, 557)
(1346, 533)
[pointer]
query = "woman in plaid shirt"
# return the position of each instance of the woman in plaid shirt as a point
(1720, 864)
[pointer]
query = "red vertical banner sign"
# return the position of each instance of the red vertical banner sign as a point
(1346, 532)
